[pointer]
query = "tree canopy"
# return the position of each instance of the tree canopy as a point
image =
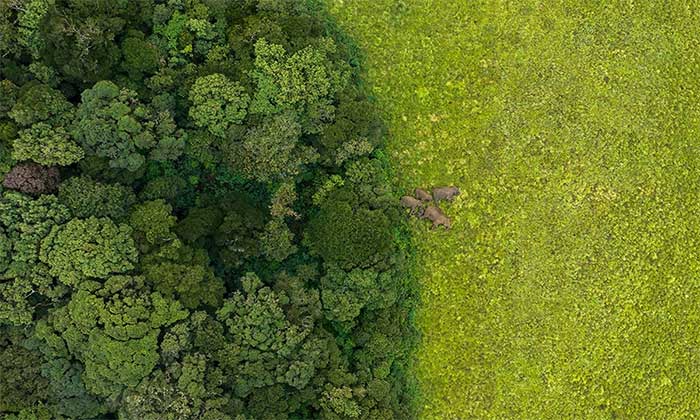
(195, 221)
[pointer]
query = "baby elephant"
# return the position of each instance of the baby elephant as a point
(423, 195)
(445, 193)
(415, 205)
(437, 217)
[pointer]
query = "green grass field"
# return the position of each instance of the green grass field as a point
(569, 287)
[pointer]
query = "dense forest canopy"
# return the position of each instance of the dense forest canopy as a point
(195, 217)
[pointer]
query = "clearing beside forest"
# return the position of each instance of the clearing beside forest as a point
(569, 284)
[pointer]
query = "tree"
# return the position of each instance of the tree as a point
(25, 282)
(276, 240)
(355, 131)
(171, 139)
(304, 82)
(189, 384)
(236, 239)
(200, 222)
(113, 124)
(31, 13)
(173, 189)
(86, 197)
(112, 328)
(338, 403)
(183, 273)
(26, 221)
(271, 349)
(88, 248)
(8, 96)
(345, 294)
(140, 56)
(46, 145)
(217, 103)
(153, 220)
(31, 178)
(271, 151)
(350, 237)
(181, 391)
(9, 45)
(40, 103)
(21, 383)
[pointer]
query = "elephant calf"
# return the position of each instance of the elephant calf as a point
(445, 193)
(423, 195)
(412, 203)
(437, 217)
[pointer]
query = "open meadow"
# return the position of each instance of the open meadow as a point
(569, 286)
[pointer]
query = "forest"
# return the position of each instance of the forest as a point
(197, 217)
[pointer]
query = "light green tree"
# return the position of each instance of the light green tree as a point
(46, 145)
(112, 329)
(40, 103)
(271, 151)
(88, 248)
(305, 82)
(24, 280)
(217, 103)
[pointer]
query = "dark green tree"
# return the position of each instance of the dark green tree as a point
(140, 56)
(86, 197)
(21, 383)
(113, 124)
(350, 237)
(178, 271)
(40, 103)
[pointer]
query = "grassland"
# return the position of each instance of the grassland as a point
(569, 286)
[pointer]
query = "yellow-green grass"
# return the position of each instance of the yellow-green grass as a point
(569, 286)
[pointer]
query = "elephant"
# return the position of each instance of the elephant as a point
(423, 195)
(412, 203)
(437, 217)
(445, 193)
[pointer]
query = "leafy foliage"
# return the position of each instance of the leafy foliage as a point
(111, 123)
(24, 282)
(217, 103)
(86, 197)
(304, 81)
(350, 237)
(194, 223)
(31, 178)
(47, 146)
(153, 220)
(40, 103)
(271, 152)
(88, 248)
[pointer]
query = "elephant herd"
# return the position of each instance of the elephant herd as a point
(421, 198)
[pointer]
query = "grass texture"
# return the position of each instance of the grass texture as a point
(569, 287)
